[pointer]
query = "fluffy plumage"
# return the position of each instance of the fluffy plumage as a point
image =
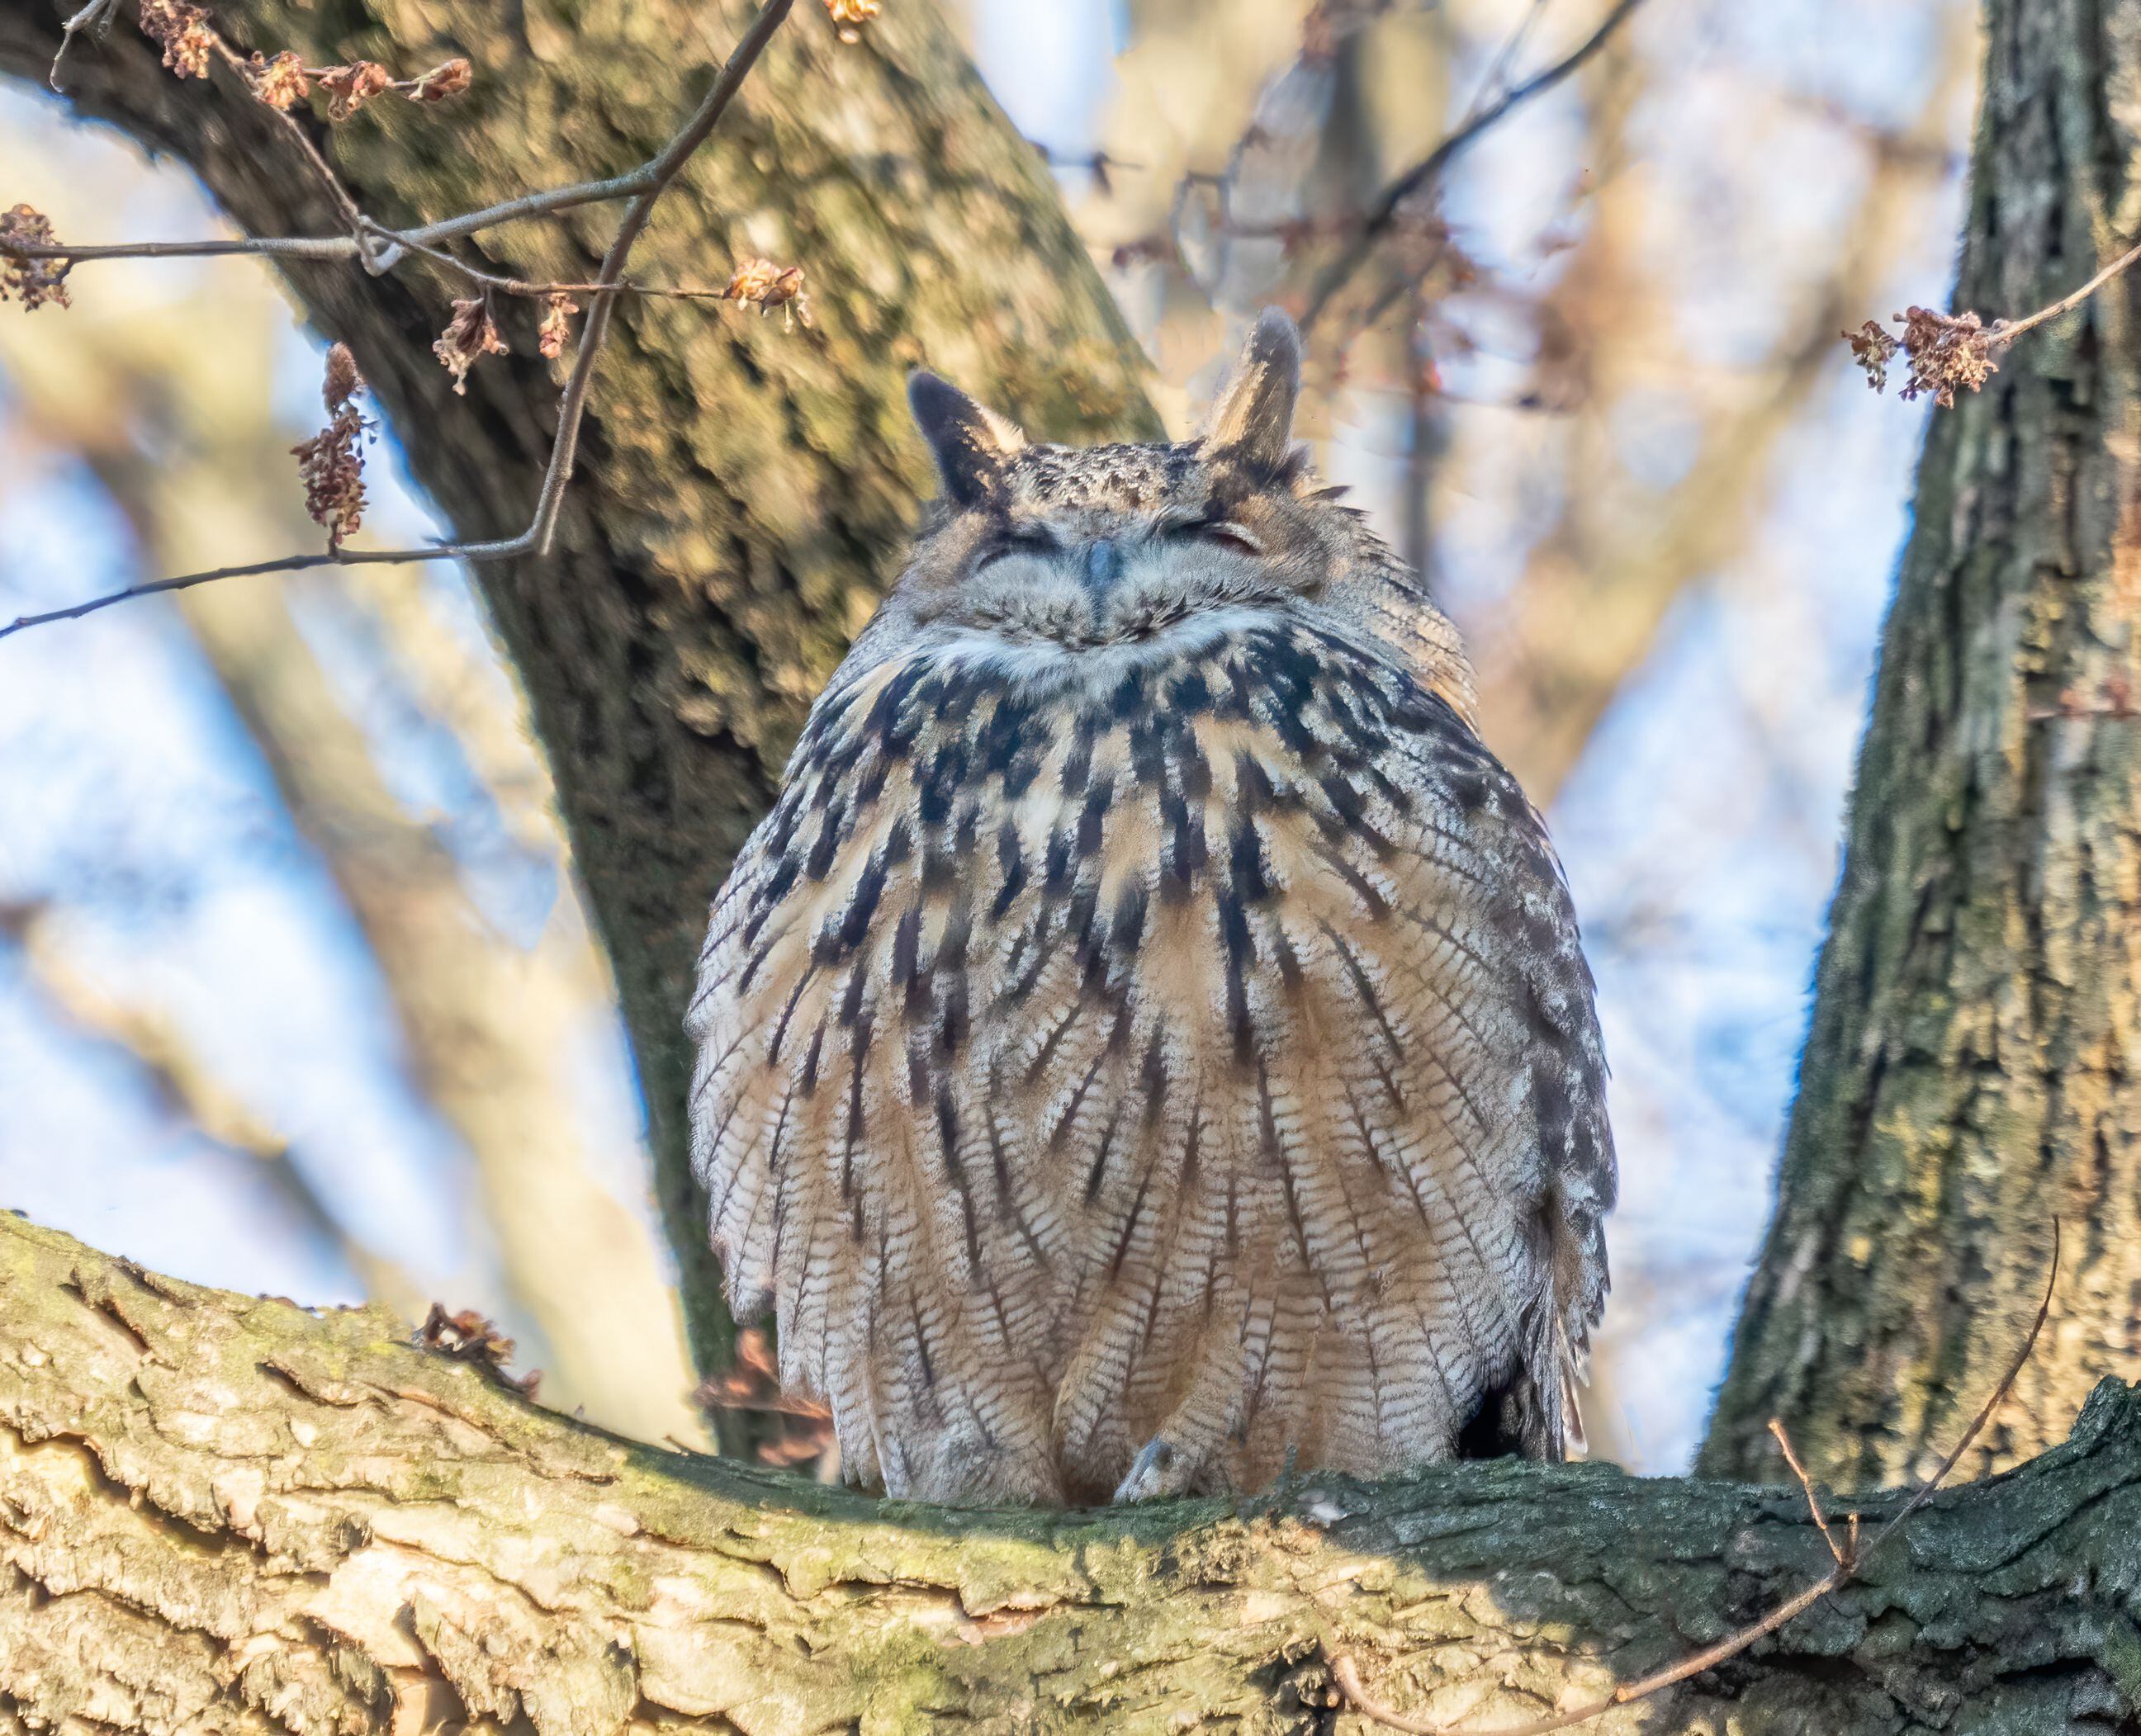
(1150, 1036)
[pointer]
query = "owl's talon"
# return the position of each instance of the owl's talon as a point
(1147, 1479)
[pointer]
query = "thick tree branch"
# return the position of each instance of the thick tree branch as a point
(229, 1514)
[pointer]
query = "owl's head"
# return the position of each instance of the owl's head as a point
(1080, 548)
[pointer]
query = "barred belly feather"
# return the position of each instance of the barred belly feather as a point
(1162, 1066)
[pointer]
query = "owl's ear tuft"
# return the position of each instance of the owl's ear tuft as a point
(970, 443)
(1252, 421)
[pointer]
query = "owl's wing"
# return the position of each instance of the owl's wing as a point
(1205, 1056)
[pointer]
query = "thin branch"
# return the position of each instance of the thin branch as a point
(2007, 331)
(337, 195)
(1806, 1484)
(1849, 1559)
(627, 185)
(345, 247)
(609, 283)
(96, 15)
(336, 247)
(1388, 207)
(273, 247)
(663, 170)
(526, 286)
(1948, 353)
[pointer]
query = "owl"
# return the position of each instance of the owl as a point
(1147, 1044)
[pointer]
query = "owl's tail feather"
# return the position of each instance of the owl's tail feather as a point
(1535, 1412)
(1572, 1358)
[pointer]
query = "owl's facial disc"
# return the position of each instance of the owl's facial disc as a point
(1084, 580)
(1105, 546)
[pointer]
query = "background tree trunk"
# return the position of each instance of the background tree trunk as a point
(743, 489)
(1974, 1068)
(224, 1514)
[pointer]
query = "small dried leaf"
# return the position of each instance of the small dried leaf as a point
(182, 29)
(1873, 348)
(556, 326)
(794, 1430)
(280, 83)
(767, 286)
(849, 16)
(467, 1337)
(343, 382)
(450, 78)
(755, 1350)
(350, 87)
(470, 335)
(1947, 352)
(35, 283)
(331, 462)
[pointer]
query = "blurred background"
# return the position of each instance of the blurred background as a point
(296, 994)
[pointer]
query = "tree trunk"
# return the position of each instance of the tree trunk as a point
(1974, 1068)
(173, 422)
(219, 1514)
(742, 489)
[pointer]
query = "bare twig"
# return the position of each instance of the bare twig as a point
(1850, 1558)
(2007, 331)
(1388, 208)
(338, 195)
(337, 246)
(420, 237)
(96, 15)
(651, 181)
(1813, 1501)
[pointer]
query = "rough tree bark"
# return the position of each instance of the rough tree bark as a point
(742, 489)
(219, 1514)
(222, 1514)
(1974, 1067)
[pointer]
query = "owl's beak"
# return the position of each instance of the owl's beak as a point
(1104, 565)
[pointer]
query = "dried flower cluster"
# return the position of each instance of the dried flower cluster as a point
(1872, 349)
(349, 88)
(448, 78)
(467, 1337)
(331, 462)
(280, 83)
(766, 286)
(1947, 352)
(34, 282)
(556, 328)
(803, 1430)
(182, 29)
(470, 335)
(285, 81)
(849, 16)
